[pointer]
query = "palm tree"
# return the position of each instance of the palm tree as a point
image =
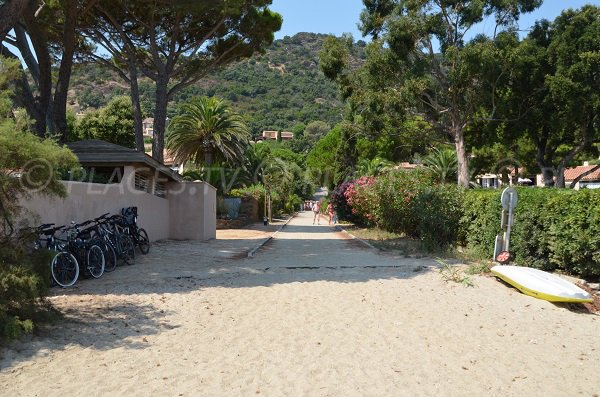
(206, 131)
(443, 163)
(373, 167)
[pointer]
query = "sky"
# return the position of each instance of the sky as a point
(342, 16)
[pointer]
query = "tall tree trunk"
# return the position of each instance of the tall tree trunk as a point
(160, 118)
(461, 156)
(59, 108)
(587, 133)
(135, 102)
(10, 12)
(24, 98)
(543, 161)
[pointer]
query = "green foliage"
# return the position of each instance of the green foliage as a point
(438, 210)
(222, 178)
(373, 167)
(550, 95)
(443, 163)
(396, 192)
(206, 131)
(454, 274)
(282, 89)
(316, 130)
(321, 159)
(24, 282)
(553, 230)
(292, 203)
(574, 232)
(404, 72)
(36, 162)
(9, 72)
(407, 202)
(27, 165)
(113, 123)
(480, 222)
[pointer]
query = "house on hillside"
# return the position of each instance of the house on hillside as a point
(269, 135)
(406, 166)
(287, 135)
(148, 127)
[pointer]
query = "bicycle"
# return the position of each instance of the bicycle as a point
(138, 235)
(114, 232)
(85, 249)
(99, 237)
(64, 267)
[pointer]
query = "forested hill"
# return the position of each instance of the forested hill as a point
(276, 90)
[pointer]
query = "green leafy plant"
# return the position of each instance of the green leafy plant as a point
(454, 274)
(206, 131)
(28, 165)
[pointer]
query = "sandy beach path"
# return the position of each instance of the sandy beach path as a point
(312, 314)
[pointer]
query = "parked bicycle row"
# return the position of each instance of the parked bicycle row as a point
(90, 248)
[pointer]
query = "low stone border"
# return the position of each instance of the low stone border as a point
(341, 229)
(265, 241)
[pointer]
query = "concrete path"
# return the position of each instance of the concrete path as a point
(304, 245)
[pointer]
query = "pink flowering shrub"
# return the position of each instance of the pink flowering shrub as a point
(362, 199)
(409, 202)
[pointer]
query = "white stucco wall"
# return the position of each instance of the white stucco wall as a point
(187, 213)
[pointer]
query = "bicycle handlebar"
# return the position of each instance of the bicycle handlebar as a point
(51, 231)
(102, 217)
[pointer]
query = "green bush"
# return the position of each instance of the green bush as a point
(24, 281)
(410, 202)
(438, 211)
(574, 232)
(292, 203)
(480, 221)
(553, 230)
(396, 192)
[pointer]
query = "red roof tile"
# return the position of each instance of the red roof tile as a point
(572, 173)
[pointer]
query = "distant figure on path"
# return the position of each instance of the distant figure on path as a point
(330, 212)
(317, 210)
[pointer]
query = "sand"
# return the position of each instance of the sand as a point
(312, 314)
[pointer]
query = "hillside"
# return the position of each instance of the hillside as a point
(275, 90)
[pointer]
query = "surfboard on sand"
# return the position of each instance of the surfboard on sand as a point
(540, 284)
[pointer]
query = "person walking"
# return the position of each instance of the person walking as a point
(330, 212)
(317, 212)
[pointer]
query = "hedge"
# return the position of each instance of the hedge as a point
(554, 229)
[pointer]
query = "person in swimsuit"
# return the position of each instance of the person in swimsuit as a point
(330, 212)
(317, 212)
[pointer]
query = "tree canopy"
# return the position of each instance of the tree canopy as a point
(179, 42)
(206, 132)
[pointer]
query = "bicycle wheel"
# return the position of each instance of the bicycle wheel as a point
(110, 256)
(127, 249)
(95, 261)
(64, 269)
(143, 241)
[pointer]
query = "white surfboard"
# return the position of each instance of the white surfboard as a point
(541, 284)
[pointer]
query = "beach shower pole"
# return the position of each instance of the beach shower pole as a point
(509, 199)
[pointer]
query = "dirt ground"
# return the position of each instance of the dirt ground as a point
(312, 313)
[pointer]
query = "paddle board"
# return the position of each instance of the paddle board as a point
(541, 284)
